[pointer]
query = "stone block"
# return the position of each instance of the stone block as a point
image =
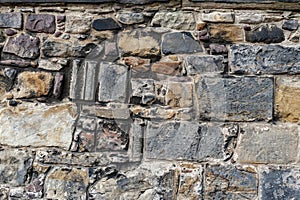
(264, 144)
(290, 25)
(11, 20)
(225, 33)
(219, 17)
(143, 91)
(266, 34)
(130, 18)
(235, 98)
(169, 67)
(38, 125)
(204, 64)
(52, 64)
(78, 23)
(105, 24)
(264, 59)
(43, 23)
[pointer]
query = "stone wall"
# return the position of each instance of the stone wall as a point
(145, 99)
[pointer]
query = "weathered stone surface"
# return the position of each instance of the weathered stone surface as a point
(168, 68)
(264, 143)
(15, 166)
(203, 64)
(54, 64)
(180, 42)
(226, 33)
(250, 18)
(229, 182)
(130, 18)
(58, 84)
(266, 34)
(138, 66)
(11, 20)
(216, 49)
(264, 59)
(78, 23)
(286, 101)
(5, 81)
(280, 183)
(23, 45)
(113, 83)
(29, 124)
(106, 24)
(33, 84)
(43, 23)
(66, 183)
(290, 25)
(105, 51)
(218, 17)
(139, 42)
(143, 91)
(235, 99)
(175, 20)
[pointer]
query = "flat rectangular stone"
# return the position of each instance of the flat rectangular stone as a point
(235, 98)
(204, 64)
(11, 20)
(264, 59)
(110, 111)
(265, 143)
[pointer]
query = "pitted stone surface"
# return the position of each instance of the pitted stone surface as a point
(204, 64)
(11, 20)
(265, 34)
(130, 18)
(41, 23)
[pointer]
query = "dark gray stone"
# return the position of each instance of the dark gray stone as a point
(290, 25)
(280, 184)
(266, 34)
(42, 23)
(229, 182)
(264, 59)
(235, 99)
(204, 64)
(10, 32)
(180, 42)
(24, 46)
(105, 24)
(11, 20)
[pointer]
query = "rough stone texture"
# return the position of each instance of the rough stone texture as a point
(113, 83)
(235, 99)
(52, 64)
(168, 68)
(226, 33)
(218, 17)
(280, 183)
(139, 42)
(174, 20)
(290, 25)
(66, 183)
(78, 23)
(204, 64)
(110, 111)
(281, 148)
(23, 45)
(138, 66)
(266, 34)
(129, 18)
(15, 166)
(287, 106)
(36, 125)
(264, 59)
(180, 42)
(252, 18)
(229, 182)
(143, 91)
(33, 84)
(11, 20)
(106, 24)
(41, 23)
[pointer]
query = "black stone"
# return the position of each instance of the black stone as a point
(180, 42)
(266, 34)
(13, 103)
(290, 25)
(106, 24)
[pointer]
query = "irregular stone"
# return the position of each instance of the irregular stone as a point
(37, 125)
(280, 183)
(11, 20)
(143, 91)
(250, 18)
(130, 18)
(106, 24)
(168, 68)
(287, 106)
(264, 59)
(226, 33)
(15, 166)
(33, 84)
(218, 17)
(140, 43)
(266, 34)
(203, 64)
(23, 45)
(290, 25)
(58, 156)
(217, 49)
(113, 83)
(281, 146)
(5, 84)
(52, 64)
(66, 183)
(201, 25)
(4, 192)
(42, 23)
(10, 32)
(175, 20)
(137, 65)
(78, 23)
(156, 112)
(106, 51)
(235, 99)
(229, 182)
(180, 42)
(58, 84)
